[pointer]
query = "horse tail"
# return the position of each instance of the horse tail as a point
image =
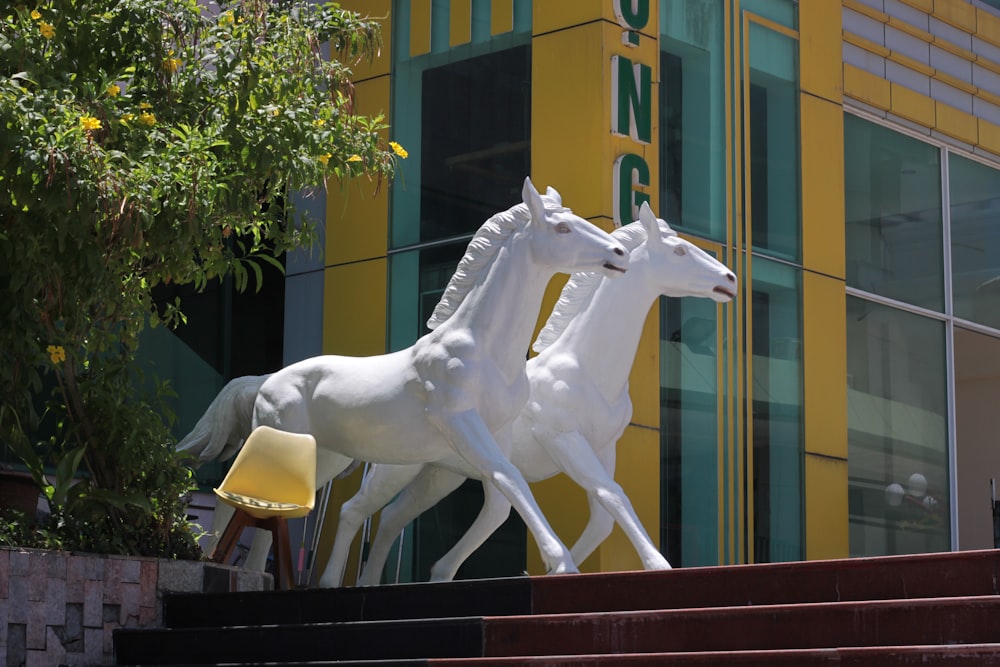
(227, 422)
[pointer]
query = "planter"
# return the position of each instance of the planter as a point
(19, 492)
(59, 608)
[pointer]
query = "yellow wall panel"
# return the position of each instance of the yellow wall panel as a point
(460, 22)
(989, 136)
(501, 16)
(867, 87)
(956, 123)
(822, 185)
(824, 350)
(909, 104)
(923, 5)
(355, 206)
(820, 49)
(354, 318)
(420, 27)
(551, 16)
(826, 508)
(381, 10)
(988, 27)
(959, 13)
(572, 147)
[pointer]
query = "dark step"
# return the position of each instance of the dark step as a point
(961, 620)
(973, 655)
(970, 573)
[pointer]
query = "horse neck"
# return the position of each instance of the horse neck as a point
(502, 308)
(605, 336)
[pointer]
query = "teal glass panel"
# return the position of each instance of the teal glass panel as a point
(783, 12)
(897, 459)
(417, 279)
(777, 412)
(893, 214)
(690, 430)
(773, 144)
(974, 190)
(693, 120)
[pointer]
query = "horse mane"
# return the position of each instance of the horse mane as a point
(580, 290)
(479, 255)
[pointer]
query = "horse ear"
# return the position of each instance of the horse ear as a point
(651, 225)
(552, 194)
(533, 201)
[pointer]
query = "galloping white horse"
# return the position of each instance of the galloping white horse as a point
(579, 404)
(455, 392)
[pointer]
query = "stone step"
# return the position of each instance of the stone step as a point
(971, 573)
(882, 623)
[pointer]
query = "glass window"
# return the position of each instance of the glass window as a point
(690, 431)
(974, 190)
(774, 143)
(413, 301)
(898, 485)
(893, 206)
(692, 103)
(785, 12)
(777, 412)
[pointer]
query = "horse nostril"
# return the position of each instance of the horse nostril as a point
(619, 252)
(731, 277)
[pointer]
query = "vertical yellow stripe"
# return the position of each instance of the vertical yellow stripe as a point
(420, 27)
(460, 22)
(501, 16)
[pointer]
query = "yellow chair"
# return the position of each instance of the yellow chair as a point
(272, 479)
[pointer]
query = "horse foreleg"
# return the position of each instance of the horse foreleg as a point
(425, 491)
(495, 511)
(382, 483)
(473, 441)
(595, 473)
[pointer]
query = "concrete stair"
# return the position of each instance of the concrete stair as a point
(905, 610)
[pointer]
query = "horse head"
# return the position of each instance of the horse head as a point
(566, 242)
(681, 268)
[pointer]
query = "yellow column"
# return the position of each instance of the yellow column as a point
(354, 308)
(823, 282)
(574, 150)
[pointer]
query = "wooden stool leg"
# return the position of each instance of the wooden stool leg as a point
(284, 574)
(230, 536)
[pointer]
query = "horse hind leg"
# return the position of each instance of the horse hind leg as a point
(382, 483)
(496, 509)
(425, 491)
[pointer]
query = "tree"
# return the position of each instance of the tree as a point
(149, 142)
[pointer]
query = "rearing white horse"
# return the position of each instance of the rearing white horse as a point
(454, 393)
(579, 404)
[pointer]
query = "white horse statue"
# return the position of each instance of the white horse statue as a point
(451, 396)
(578, 408)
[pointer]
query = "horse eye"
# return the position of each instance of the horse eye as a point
(680, 250)
(563, 228)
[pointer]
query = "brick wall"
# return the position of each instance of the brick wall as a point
(59, 608)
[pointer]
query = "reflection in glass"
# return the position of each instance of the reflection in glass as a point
(692, 103)
(893, 206)
(777, 412)
(774, 143)
(975, 240)
(689, 435)
(898, 485)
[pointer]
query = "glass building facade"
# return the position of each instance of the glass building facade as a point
(842, 158)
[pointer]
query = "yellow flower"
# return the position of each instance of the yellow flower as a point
(88, 123)
(171, 65)
(56, 353)
(145, 105)
(148, 119)
(319, 122)
(354, 158)
(226, 18)
(48, 32)
(127, 118)
(398, 150)
(114, 90)
(35, 14)
(324, 158)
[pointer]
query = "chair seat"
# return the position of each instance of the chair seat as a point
(262, 509)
